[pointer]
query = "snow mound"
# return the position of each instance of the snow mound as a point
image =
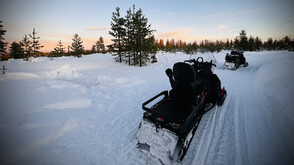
(18, 76)
(71, 104)
(64, 72)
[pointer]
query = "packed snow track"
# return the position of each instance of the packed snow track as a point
(87, 111)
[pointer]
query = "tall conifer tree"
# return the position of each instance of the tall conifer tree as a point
(26, 45)
(129, 38)
(2, 43)
(243, 44)
(59, 49)
(77, 46)
(16, 50)
(118, 32)
(36, 46)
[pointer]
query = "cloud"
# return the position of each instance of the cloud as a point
(221, 27)
(97, 28)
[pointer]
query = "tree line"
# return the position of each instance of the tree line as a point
(135, 44)
(240, 42)
(29, 46)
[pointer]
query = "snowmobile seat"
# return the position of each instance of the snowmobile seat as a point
(173, 110)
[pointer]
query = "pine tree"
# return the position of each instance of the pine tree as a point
(77, 46)
(118, 32)
(218, 46)
(269, 44)
(257, 43)
(35, 44)
(100, 47)
(243, 44)
(2, 43)
(161, 45)
(227, 47)
(143, 37)
(16, 50)
(286, 42)
(129, 37)
(26, 45)
(291, 46)
(93, 50)
(133, 39)
(236, 43)
(251, 46)
(59, 49)
(231, 44)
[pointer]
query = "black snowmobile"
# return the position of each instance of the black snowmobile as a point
(168, 126)
(234, 60)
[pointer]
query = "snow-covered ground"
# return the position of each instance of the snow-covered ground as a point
(87, 111)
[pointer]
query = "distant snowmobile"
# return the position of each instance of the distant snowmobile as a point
(168, 126)
(234, 60)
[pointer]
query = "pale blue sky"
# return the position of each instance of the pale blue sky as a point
(188, 20)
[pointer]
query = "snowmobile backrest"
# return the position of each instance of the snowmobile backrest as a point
(184, 72)
(185, 82)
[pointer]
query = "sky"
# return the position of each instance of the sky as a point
(186, 20)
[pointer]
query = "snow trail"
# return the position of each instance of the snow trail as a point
(87, 111)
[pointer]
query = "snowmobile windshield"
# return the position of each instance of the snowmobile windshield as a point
(207, 57)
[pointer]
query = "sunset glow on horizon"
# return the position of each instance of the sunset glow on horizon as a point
(188, 21)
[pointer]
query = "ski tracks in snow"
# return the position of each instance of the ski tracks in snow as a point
(221, 137)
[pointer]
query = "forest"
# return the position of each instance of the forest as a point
(133, 42)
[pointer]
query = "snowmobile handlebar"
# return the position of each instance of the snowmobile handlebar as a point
(199, 60)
